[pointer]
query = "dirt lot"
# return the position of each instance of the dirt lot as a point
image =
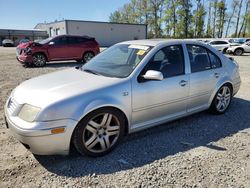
(198, 151)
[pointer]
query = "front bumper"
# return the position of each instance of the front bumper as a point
(42, 141)
(229, 51)
(24, 58)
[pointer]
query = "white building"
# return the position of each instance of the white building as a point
(105, 33)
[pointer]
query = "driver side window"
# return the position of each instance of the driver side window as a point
(169, 60)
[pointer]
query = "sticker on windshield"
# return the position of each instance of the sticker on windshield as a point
(140, 47)
(141, 52)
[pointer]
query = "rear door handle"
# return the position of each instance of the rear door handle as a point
(216, 75)
(183, 83)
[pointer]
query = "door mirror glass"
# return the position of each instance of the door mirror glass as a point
(153, 75)
(51, 43)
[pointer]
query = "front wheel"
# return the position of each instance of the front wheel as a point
(99, 132)
(221, 100)
(39, 60)
(238, 52)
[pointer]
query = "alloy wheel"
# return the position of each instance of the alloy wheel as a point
(223, 98)
(101, 132)
(238, 52)
(39, 60)
(88, 56)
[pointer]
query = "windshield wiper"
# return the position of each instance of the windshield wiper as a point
(91, 71)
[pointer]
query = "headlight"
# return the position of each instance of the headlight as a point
(28, 112)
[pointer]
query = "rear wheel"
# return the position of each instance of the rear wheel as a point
(39, 60)
(221, 100)
(87, 56)
(99, 132)
(238, 51)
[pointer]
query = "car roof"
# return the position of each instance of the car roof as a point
(83, 36)
(155, 42)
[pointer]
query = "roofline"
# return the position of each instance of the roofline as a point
(35, 30)
(88, 21)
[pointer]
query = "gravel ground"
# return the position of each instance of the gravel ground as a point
(202, 150)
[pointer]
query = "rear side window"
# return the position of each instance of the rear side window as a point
(215, 61)
(202, 59)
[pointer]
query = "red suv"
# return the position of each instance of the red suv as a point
(58, 48)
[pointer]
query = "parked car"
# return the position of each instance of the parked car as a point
(24, 41)
(221, 45)
(7, 43)
(239, 40)
(59, 48)
(239, 50)
(128, 87)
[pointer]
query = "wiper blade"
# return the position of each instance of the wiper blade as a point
(91, 71)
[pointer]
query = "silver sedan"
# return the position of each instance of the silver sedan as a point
(128, 87)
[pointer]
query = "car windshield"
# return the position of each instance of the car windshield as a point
(117, 61)
(45, 40)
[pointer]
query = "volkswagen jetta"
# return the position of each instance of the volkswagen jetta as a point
(128, 87)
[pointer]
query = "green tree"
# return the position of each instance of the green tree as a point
(221, 8)
(209, 29)
(229, 22)
(198, 18)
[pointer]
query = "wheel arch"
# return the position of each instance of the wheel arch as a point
(218, 86)
(88, 111)
(239, 48)
(43, 53)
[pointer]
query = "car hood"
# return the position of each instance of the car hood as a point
(47, 89)
(28, 44)
(235, 44)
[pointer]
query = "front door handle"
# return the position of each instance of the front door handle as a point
(183, 83)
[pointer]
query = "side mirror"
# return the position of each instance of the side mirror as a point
(153, 75)
(51, 43)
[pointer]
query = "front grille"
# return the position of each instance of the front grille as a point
(13, 107)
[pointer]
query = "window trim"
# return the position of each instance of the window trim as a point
(143, 71)
(210, 62)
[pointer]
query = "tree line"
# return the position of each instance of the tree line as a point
(188, 18)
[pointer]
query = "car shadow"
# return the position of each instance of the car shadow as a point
(145, 147)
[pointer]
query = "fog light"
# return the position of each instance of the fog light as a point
(58, 130)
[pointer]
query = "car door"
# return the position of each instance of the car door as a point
(75, 50)
(219, 45)
(247, 47)
(158, 101)
(57, 48)
(206, 70)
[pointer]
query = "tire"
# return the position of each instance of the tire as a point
(39, 60)
(87, 56)
(99, 132)
(238, 51)
(224, 51)
(221, 100)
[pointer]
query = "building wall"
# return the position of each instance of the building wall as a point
(106, 33)
(54, 28)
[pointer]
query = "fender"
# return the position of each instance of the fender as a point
(221, 82)
(99, 103)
